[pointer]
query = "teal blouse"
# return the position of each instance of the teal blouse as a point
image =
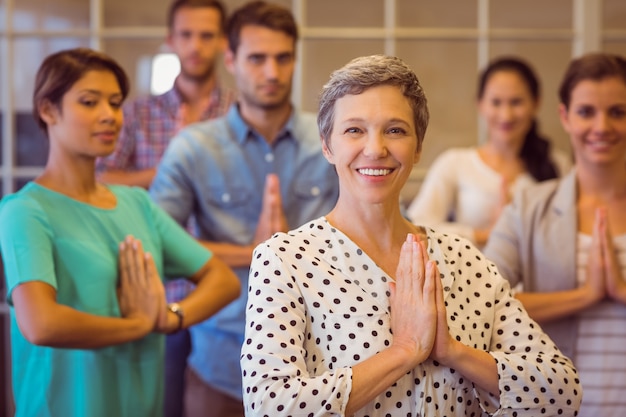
(46, 236)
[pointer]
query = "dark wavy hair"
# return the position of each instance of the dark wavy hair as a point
(535, 152)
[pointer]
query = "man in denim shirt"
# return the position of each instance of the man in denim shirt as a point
(256, 171)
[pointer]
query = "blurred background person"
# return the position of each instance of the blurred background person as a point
(243, 177)
(83, 260)
(196, 36)
(465, 189)
(562, 244)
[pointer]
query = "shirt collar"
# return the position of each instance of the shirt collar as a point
(243, 132)
(174, 97)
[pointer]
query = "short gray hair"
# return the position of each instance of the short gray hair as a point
(366, 72)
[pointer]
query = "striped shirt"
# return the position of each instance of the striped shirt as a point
(601, 345)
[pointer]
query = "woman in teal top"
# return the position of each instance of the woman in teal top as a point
(83, 261)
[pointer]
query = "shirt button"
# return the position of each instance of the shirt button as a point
(315, 191)
(225, 198)
(269, 157)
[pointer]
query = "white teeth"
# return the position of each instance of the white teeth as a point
(374, 172)
(600, 143)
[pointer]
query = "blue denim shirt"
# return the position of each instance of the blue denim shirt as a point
(215, 170)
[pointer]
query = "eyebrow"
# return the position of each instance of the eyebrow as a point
(98, 92)
(361, 119)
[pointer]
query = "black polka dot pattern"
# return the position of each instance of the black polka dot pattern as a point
(318, 305)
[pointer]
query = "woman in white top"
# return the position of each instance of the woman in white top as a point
(362, 313)
(466, 188)
(563, 243)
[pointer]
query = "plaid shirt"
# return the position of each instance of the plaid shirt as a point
(149, 125)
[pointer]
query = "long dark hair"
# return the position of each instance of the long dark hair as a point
(535, 152)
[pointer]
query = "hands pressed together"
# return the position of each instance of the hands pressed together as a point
(418, 312)
(141, 293)
(604, 276)
(272, 218)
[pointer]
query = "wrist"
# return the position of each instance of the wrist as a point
(453, 354)
(177, 315)
(407, 356)
(618, 292)
(481, 236)
(140, 324)
(589, 295)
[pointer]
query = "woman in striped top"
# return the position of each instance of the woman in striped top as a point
(563, 243)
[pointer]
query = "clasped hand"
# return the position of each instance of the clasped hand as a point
(604, 276)
(141, 294)
(418, 312)
(272, 218)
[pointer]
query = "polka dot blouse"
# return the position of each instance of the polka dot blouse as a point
(317, 305)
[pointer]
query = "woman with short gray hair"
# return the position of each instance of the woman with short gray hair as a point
(362, 313)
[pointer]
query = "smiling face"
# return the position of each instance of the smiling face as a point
(90, 117)
(508, 107)
(373, 144)
(596, 121)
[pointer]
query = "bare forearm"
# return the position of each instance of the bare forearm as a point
(544, 307)
(619, 294)
(481, 236)
(476, 365)
(65, 327)
(216, 286)
(374, 375)
(44, 322)
(142, 178)
(235, 256)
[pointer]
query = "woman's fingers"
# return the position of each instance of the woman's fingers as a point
(139, 268)
(130, 266)
(124, 265)
(157, 305)
(154, 279)
(612, 270)
(596, 284)
(150, 270)
(404, 269)
(141, 292)
(411, 272)
(413, 306)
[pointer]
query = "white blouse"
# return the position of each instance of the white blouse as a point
(461, 193)
(317, 305)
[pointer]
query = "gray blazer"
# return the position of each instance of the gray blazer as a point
(534, 242)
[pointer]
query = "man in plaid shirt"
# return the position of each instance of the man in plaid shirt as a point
(195, 35)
